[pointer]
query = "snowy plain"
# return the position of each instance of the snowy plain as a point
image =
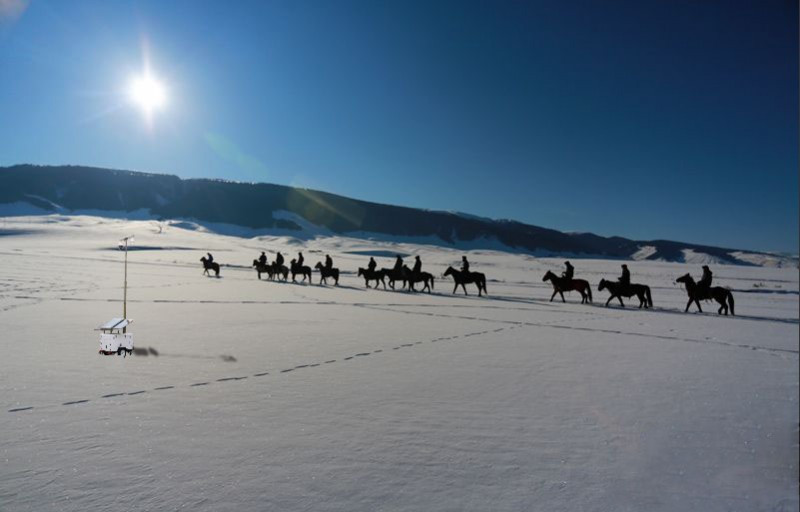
(256, 395)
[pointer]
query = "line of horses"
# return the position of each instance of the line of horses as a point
(409, 279)
(617, 290)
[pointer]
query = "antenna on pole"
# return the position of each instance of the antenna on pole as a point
(123, 245)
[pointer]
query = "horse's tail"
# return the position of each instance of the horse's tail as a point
(647, 294)
(730, 302)
(432, 279)
(589, 291)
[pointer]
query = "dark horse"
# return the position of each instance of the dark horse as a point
(210, 265)
(279, 271)
(423, 277)
(262, 269)
(304, 270)
(372, 275)
(723, 296)
(394, 275)
(562, 284)
(325, 273)
(618, 290)
(462, 278)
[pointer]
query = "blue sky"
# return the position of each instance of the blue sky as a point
(645, 119)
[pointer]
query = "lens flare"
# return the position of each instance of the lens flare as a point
(148, 93)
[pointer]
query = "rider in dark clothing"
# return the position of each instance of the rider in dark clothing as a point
(328, 262)
(398, 263)
(625, 278)
(570, 272)
(210, 257)
(417, 266)
(705, 282)
(300, 259)
(263, 259)
(279, 259)
(464, 264)
(371, 265)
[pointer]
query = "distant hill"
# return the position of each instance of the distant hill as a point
(262, 206)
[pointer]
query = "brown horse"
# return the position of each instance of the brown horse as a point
(262, 269)
(426, 278)
(562, 284)
(696, 294)
(279, 271)
(618, 290)
(372, 275)
(303, 270)
(325, 273)
(210, 265)
(461, 278)
(393, 275)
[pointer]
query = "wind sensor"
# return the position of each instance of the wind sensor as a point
(114, 336)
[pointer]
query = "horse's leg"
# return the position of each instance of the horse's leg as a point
(465, 289)
(619, 298)
(562, 296)
(698, 305)
(554, 295)
(455, 288)
(609, 300)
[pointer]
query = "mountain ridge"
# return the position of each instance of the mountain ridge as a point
(254, 205)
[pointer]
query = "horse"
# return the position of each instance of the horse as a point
(722, 295)
(210, 265)
(394, 275)
(279, 271)
(301, 269)
(325, 273)
(461, 278)
(619, 290)
(262, 269)
(372, 275)
(562, 284)
(421, 277)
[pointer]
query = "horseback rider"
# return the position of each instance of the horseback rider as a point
(398, 264)
(210, 258)
(262, 260)
(464, 265)
(704, 284)
(625, 278)
(328, 262)
(569, 273)
(300, 259)
(371, 265)
(417, 266)
(279, 260)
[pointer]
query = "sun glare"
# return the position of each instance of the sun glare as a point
(148, 93)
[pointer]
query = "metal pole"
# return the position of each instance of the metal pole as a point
(125, 288)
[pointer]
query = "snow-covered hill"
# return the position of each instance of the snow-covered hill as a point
(246, 209)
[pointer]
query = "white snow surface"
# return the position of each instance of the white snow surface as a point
(280, 396)
(699, 258)
(644, 252)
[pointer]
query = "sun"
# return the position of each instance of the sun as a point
(148, 93)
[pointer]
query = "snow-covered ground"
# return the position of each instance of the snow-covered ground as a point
(270, 396)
